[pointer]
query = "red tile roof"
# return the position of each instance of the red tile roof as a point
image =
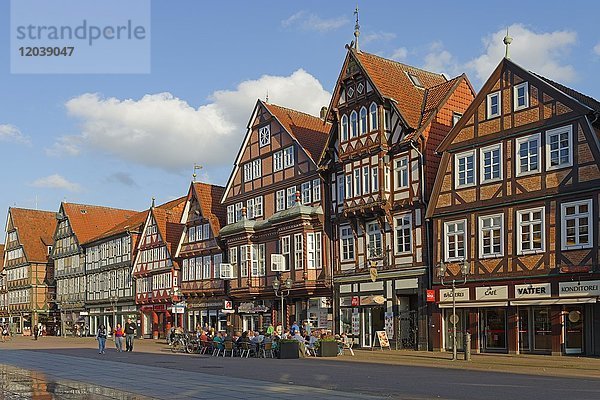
(580, 97)
(35, 230)
(87, 222)
(310, 131)
(391, 80)
(168, 223)
(209, 196)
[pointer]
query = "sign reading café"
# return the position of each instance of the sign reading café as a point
(579, 289)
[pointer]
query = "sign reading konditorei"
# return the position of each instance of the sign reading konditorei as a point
(487, 293)
(578, 289)
(533, 291)
(462, 294)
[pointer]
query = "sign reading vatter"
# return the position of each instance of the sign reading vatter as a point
(532, 291)
(462, 294)
(578, 289)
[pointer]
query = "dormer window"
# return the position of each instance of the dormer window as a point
(521, 96)
(493, 105)
(415, 80)
(264, 135)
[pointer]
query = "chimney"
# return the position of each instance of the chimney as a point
(323, 113)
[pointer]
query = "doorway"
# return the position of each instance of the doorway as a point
(494, 329)
(574, 330)
(461, 326)
(373, 320)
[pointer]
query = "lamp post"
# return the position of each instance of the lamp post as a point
(465, 267)
(114, 299)
(282, 290)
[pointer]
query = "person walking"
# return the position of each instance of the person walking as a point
(119, 333)
(36, 331)
(130, 329)
(101, 338)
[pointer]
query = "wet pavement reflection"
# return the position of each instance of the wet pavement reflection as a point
(18, 383)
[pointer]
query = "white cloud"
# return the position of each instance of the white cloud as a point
(399, 54)
(440, 60)
(545, 53)
(312, 22)
(597, 49)
(65, 145)
(160, 130)
(11, 133)
(56, 182)
(376, 37)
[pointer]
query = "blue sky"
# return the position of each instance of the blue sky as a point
(118, 140)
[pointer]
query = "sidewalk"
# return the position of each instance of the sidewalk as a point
(565, 366)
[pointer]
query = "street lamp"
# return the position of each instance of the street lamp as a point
(114, 299)
(282, 290)
(465, 268)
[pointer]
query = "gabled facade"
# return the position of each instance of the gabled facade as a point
(517, 197)
(28, 271)
(387, 119)
(200, 254)
(3, 291)
(274, 204)
(156, 272)
(77, 224)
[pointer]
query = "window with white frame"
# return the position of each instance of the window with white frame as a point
(353, 124)
(374, 179)
(366, 177)
(341, 194)
(313, 250)
(291, 196)
(280, 200)
(264, 135)
(344, 124)
(386, 178)
(491, 243)
(559, 147)
(401, 170)
(258, 206)
(305, 191)
(374, 244)
(530, 230)
(493, 105)
(403, 231)
(387, 120)
(192, 234)
(217, 260)
(528, 150)
(238, 211)
(373, 117)
(491, 163)
(257, 168)
(278, 161)
(285, 249)
(316, 189)
(521, 96)
(245, 259)
(247, 172)
(576, 225)
(357, 182)
(288, 156)
(206, 231)
(250, 208)
(258, 260)
(298, 251)
(206, 261)
(349, 185)
(363, 120)
(455, 244)
(465, 168)
(233, 251)
(346, 243)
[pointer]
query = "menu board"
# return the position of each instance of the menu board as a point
(381, 340)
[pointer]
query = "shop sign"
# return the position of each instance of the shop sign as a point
(228, 305)
(389, 324)
(430, 296)
(368, 300)
(178, 308)
(159, 307)
(355, 301)
(491, 293)
(252, 308)
(578, 289)
(532, 290)
(346, 301)
(355, 322)
(462, 294)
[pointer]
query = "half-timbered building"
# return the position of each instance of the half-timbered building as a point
(156, 272)
(200, 254)
(28, 269)
(274, 205)
(77, 224)
(517, 197)
(3, 291)
(379, 163)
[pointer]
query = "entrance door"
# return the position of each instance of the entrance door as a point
(494, 329)
(461, 323)
(574, 330)
(524, 343)
(367, 330)
(542, 329)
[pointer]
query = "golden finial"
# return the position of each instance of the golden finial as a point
(507, 41)
(196, 166)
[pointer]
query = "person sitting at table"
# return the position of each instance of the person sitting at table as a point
(286, 334)
(243, 338)
(218, 341)
(203, 336)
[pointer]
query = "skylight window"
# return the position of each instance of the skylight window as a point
(415, 80)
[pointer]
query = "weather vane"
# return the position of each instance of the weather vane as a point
(196, 166)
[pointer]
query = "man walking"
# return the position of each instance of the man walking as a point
(130, 329)
(35, 332)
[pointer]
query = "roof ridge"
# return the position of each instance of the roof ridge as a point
(97, 206)
(404, 64)
(209, 184)
(444, 83)
(32, 209)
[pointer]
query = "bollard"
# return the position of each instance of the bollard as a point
(467, 347)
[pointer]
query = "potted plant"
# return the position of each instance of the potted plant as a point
(327, 347)
(288, 348)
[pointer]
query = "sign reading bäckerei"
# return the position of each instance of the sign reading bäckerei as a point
(491, 293)
(532, 291)
(462, 294)
(578, 289)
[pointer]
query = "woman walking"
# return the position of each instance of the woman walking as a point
(119, 334)
(101, 338)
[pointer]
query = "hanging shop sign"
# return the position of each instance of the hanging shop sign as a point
(578, 289)
(252, 308)
(355, 302)
(430, 296)
(462, 294)
(488, 293)
(532, 291)
(368, 300)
